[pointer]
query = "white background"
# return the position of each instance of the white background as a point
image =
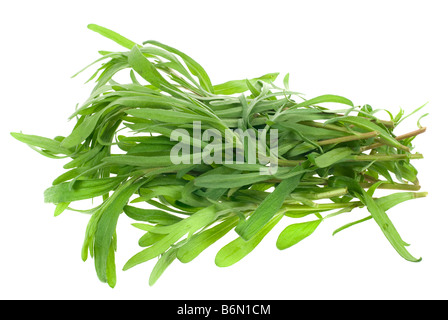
(389, 54)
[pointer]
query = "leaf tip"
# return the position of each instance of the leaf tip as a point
(92, 26)
(16, 135)
(280, 246)
(127, 266)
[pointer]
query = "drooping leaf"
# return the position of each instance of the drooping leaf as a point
(295, 233)
(201, 241)
(269, 207)
(112, 35)
(240, 86)
(239, 248)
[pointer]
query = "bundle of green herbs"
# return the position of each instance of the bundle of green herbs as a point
(189, 161)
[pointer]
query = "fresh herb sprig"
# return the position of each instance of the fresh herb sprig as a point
(330, 161)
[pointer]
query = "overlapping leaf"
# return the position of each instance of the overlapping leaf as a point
(120, 153)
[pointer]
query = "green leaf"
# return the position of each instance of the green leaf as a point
(149, 239)
(391, 200)
(41, 142)
(299, 211)
(162, 264)
(255, 92)
(324, 99)
(239, 248)
(68, 175)
(386, 226)
(269, 207)
(201, 241)
(332, 156)
(82, 158)
(110, 69)
(82, 131)
(111, 274)
(286, 81)
(155, 250)
(168, 116)
(400, 119)
(301, 115)
(112, 36)
(82, 189)
(143, 161)
(229, 180)
(150, 215)
(295, 233)
(385, 203)
(240, 86)
(366, 124)
(148, 71)
(108, 55)
(173, 233)
(194, 67)
(60, 207)
(105, 229)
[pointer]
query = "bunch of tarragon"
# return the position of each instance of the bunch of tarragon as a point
(153, 148)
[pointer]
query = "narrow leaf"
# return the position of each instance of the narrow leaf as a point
(162, 264)
(112, 35)
(239, 248)
(332, 156)
(201, 241)
(269, 207)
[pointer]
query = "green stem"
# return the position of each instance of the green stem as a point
(362, 157)
(349, 138)
(386, 157)
(300, 210)
(393, 186)
(398, 138)
(327, 126)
